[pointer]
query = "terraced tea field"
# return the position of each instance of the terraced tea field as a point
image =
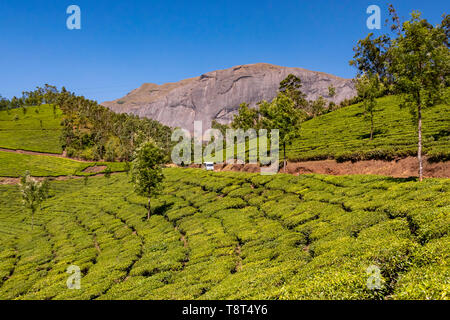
(16, 164)
(38, 129)
(344, 134)
(230, 236)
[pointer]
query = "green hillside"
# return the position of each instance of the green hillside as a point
(344, 134)
(24, 131)
(16, 164)
(39, 130)
(226, 235)
(230, 235)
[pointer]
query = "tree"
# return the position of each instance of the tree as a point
(246, 118)
(291, 86)
(317, 107)
(16, 102)
(33, 193)
(219, 126)
(372, 56)
(331, 91)
(4, 103)
(146, 172)
(369, 87)
(282, 114)
(50, 94)
(421, 68)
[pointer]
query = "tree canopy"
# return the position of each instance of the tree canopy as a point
(146, 172)
(33, 193)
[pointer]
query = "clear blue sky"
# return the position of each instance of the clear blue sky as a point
(123, 44)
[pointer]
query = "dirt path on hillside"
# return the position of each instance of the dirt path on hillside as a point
(35, 153)
(402, 168)
(14, 180)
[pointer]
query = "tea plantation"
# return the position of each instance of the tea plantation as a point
(226, 235)
(38, 129)
(16, 164)
(344, 134)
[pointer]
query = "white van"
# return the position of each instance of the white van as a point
(209, 166)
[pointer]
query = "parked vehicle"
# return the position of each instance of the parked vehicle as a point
(209, 166)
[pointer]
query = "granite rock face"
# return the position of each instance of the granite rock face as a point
(216, 95)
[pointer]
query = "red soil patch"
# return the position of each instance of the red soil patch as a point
(402, 168)
(94, 169)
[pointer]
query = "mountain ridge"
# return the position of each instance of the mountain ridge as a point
(216, 95)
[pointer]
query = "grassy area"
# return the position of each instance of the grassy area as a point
(16, 164)
(230, 236)
(344, 134)
(24, 131)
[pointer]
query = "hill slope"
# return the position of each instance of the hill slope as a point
(344, 134)
(230, 236)
(39, 129)
(216, 95)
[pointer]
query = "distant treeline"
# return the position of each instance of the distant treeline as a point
(91, 131)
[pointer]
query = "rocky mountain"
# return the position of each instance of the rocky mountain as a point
(216, 95)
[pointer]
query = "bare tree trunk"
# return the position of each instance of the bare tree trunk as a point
(419, 150)
(149, 209)
(284, 156)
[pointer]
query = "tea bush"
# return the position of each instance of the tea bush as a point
(226, 235)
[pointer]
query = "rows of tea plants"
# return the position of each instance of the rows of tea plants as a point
(17, 164)
(36, 129)
(230, 235)
(344, 134)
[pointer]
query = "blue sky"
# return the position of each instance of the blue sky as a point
(123, 44)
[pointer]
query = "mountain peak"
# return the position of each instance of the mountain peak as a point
(216, 95)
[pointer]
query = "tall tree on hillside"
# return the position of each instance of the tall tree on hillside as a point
(50, 94)
(247, 118)
(372, 56)
(317, 107)
(219, 126)
(369, 88)
(283, 115)
(291, 86)
(146, 172)
(33, 193)
(421, 68)
(4, 103)
(16, 102)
